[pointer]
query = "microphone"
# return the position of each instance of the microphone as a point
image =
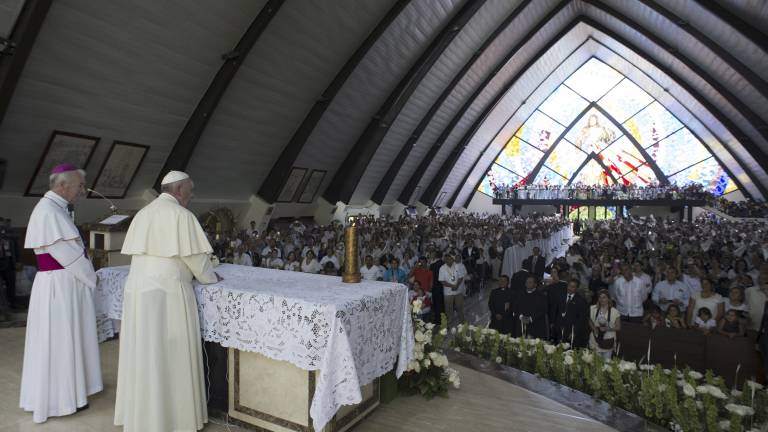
(112, 205)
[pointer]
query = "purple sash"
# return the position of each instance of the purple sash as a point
(46, 262)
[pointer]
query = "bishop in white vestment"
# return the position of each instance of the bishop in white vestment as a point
(61, 351)
(160, 385)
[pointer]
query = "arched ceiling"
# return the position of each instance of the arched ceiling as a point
(397, 100)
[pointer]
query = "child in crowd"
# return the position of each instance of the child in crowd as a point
(426, 301)
(654, 318)
(704, 321)
(731, 325)
(674, 317)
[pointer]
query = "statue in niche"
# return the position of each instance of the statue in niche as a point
(593, 137)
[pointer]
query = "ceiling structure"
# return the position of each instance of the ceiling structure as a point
(388, 100)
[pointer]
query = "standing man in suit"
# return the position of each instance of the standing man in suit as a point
(571, 316)
(556, 289)
(535, 263)
(469, 256)
(500, 304)
(438, 300)
(530, 311)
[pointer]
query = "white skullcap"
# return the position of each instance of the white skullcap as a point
(173, 177)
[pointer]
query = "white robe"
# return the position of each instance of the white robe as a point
(160, 385)
(61, 352)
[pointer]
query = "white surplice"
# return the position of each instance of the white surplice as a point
(61, 352)
(160, 385)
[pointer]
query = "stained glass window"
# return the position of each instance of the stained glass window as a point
(707, 173)
(625, 100)
(622, 157)
(593, 132)
(563, 105)
(549, 177)
(519, 156)
(592, 174)
(672, 149)
(565, 159)
(652, 124)
(540, 131)
(496, 176)
(679, 151)
(593, 79)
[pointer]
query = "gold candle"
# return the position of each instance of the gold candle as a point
(351, 256)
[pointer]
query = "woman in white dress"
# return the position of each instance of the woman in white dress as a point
(604, 321)
(290, 262)
(707, 298)
(309, 264)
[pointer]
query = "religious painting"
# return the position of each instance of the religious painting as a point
(292, 185)
(119, 169)
(63, 147)
(311, 186)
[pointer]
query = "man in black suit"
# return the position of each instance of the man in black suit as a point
(469, 257)
(571, 317)
(500, 303)
(438, 301)
(535, 263)
(517, 282)
(529, 312)
(555, 293)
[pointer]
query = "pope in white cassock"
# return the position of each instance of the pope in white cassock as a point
(160, 385)
(61, 352)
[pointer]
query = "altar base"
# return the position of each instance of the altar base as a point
(275, 395)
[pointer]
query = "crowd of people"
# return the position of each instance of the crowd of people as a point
(748, 208)
(407, 250)
(615, 191)
(708, 276)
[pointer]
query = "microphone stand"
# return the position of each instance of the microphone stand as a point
(112, 205)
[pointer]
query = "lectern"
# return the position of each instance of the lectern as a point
(106, 240)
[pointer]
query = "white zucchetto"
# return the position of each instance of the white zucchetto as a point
(174, 176)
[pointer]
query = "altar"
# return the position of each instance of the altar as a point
(305, 350)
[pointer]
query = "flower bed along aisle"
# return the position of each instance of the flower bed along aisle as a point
(682, 400)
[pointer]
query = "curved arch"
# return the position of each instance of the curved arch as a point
(417, 175)
(348, 175)
(750, 146)
(386, 182)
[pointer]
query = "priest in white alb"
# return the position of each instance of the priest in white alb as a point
(61, 352)
(160, 385)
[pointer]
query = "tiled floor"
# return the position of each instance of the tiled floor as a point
(483, 403)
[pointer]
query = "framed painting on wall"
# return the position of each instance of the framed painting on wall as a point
(291, 187)
(119, 169)
(311, 186)
(63, 147)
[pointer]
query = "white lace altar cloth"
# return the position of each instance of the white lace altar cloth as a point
(552, 247)
(351, 333)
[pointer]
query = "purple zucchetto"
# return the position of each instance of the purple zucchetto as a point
(62, 168)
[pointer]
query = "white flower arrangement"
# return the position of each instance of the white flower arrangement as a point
(753, 385)
(587, 357)
(736, 393)
(688, 390)
(444, 332)
(695, 375)
(724, 425)
(498, 360)
(420, 336)
(416, 306)
(426, 363)
(741, 410)
(626, 366)
(568, 360)
(550, 349)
